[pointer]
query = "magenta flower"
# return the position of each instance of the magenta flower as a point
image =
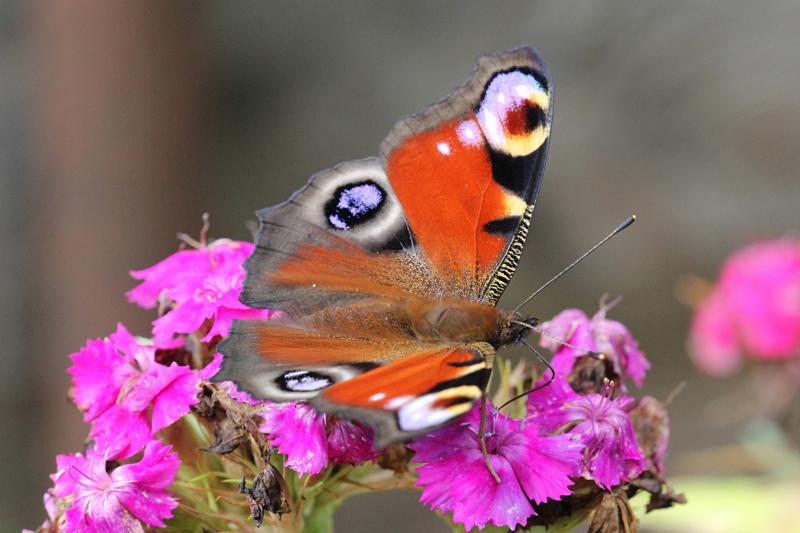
(196, 286)
(121, 500)
(455, 478)
(754, 309)
(602, 425)
(593, 335)
(127, 395)
(310, 440)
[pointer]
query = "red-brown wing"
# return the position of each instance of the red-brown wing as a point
(468, 169)
(413, 395)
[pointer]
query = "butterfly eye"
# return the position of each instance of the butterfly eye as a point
(513, 113)
(353, 204)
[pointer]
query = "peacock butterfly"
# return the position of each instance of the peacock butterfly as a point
(388, 269)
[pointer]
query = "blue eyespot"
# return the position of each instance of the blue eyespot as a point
(354, 204)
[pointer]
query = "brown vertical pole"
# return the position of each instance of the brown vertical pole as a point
(118, 101)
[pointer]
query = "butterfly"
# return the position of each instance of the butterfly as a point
(388, 269)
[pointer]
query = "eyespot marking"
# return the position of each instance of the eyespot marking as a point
(353, 204)
(513, 113)
(302, 381)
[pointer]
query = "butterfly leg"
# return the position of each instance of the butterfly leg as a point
(481, 438)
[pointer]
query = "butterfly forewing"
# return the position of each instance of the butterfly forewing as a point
(468, 169)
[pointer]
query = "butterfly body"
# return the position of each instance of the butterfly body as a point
(388, 269)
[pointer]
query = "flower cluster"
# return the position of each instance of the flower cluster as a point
(167, 448)
(753, 310)
(199, 288)
(311, 440)
(562, 436)
(130, 389)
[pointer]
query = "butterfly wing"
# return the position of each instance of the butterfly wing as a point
(453, 191)
(342, 213)
(413, 395)
(443, 213)
(468, 170)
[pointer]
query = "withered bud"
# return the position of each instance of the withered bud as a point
(661, 492)
(651, 424)
(591, 372)
(232, 422)
(614, 515)
(267, 495)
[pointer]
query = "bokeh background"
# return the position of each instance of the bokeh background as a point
(122, 122)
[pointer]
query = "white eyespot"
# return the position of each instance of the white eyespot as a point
(378, 396)
(443, 148)
(305, 381)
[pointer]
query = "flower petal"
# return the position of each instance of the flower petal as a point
(544, 465)
(92, 373)
(298, 431)
(121, 433)
(144, 494)
(350, 443)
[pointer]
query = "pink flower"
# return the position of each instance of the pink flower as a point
(455, 478)
(197, 286)
(595, 335)
(754, 309)
(127, 395)
(611, 454)
(121, 500)
(310, 439)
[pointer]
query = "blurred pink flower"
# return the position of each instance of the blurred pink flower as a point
(121, 500)
(127, 395)
(196, 286)
(753, 310)
(310, 440)
(455, 478)
(612, 454)
(595, 335)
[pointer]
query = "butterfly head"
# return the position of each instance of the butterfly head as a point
(513, 327)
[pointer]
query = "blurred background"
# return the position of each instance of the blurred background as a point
(122, 122)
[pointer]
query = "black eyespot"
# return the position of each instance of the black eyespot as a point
(353, 204)
(302, 381)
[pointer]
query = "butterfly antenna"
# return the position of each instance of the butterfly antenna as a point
(546, 363)
(543, 333)
(630, 220)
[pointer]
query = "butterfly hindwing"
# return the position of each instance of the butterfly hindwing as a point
(413, 395)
